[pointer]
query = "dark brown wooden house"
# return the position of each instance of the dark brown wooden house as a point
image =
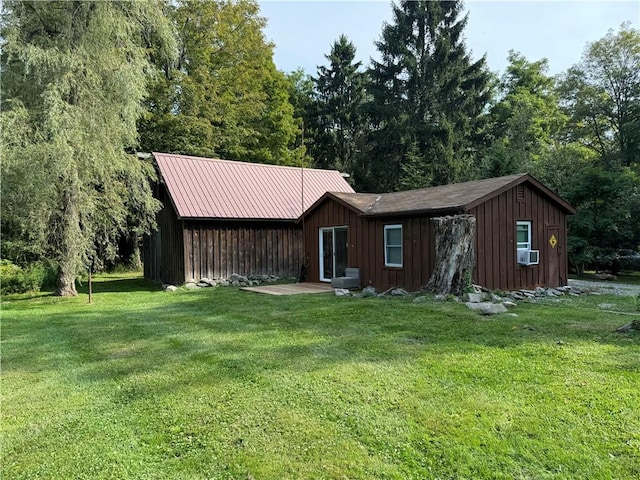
(521, 239)
(221, 217)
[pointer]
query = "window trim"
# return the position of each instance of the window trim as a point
(529, 245)
(396, 226)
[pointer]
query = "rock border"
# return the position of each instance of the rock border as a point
(481, 299)
(235, 280)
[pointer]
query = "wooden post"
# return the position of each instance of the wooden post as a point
(454, 254)
(89, 284)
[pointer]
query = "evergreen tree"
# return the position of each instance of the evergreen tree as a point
(427, 98)
(337, 108)
(73, 80)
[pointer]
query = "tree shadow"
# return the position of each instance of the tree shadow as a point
(230, 335)
(119, 285)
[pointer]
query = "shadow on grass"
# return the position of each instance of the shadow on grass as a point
(226, 334)
(119, 285)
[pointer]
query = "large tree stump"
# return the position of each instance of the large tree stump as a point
(454, 252)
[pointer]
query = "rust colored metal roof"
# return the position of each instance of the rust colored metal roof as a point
(457, 197)
(212, 188)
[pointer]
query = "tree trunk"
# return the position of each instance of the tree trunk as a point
(66, 281)
(454, 252)
(69, 242)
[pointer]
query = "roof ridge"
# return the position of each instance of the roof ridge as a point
(254, 164)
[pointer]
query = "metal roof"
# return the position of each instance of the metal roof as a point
(457, 197)
(224, 189)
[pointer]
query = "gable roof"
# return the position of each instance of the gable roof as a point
(224, 189)
(453, 198)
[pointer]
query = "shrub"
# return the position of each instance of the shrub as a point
(34, 277)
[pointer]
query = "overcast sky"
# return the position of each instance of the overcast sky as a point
(303, 31)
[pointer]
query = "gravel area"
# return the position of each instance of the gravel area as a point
(611, 288)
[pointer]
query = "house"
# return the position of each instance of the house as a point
(521, 238)
(221, 217)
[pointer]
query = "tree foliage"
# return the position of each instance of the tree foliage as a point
(526, 120)
(339, 95)
(73, 80)
(427, 96)
(601, 95)
(224, 97)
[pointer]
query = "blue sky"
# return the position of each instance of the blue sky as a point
(303, 31)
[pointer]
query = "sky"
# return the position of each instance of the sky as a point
(303, 31)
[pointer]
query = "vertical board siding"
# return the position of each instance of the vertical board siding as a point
(163, 250)
(497, 266)
(219, 249)
(366, 246)
(495, 244)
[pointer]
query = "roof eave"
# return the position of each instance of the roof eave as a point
(413, 213)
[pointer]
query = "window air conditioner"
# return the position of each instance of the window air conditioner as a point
(528, 257)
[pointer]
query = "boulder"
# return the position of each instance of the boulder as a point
(421, 299)
(369, 292)
(487, 308)
(169, 288)
(399, 292)
(191, 286)
(235, 277)
(341, 292)
(203, 284)
(474, 297)
(509, 304)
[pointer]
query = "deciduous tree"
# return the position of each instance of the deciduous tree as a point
(73, 80)
(225, 96)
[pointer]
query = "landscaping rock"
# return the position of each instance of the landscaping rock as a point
(509, 304)
(474, 297)
(341, 292)
(440, 297)
(369, 292)
(191, 286)
(203, 284)
(487, 308)
(169, 288)
(237, 278)
(399, 292)
(421, 299)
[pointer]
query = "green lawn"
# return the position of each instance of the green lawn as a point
(224, 384)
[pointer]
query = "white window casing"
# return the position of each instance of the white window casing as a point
(525, 255)
(393, 245)
(523, 235)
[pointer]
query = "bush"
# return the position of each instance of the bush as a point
(34, 277)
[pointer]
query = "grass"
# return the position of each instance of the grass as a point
(225, 384)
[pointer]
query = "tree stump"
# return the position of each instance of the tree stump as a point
(454, 254)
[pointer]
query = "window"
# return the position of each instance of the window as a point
(523, 234)
(393, 245)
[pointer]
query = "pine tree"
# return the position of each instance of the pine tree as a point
(337, 109)
(427, 97)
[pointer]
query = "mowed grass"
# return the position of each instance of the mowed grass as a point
(225, 384)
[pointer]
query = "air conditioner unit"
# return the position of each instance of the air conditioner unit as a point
(528, 257)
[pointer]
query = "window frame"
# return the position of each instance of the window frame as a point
(395, 226)
(529, 245)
